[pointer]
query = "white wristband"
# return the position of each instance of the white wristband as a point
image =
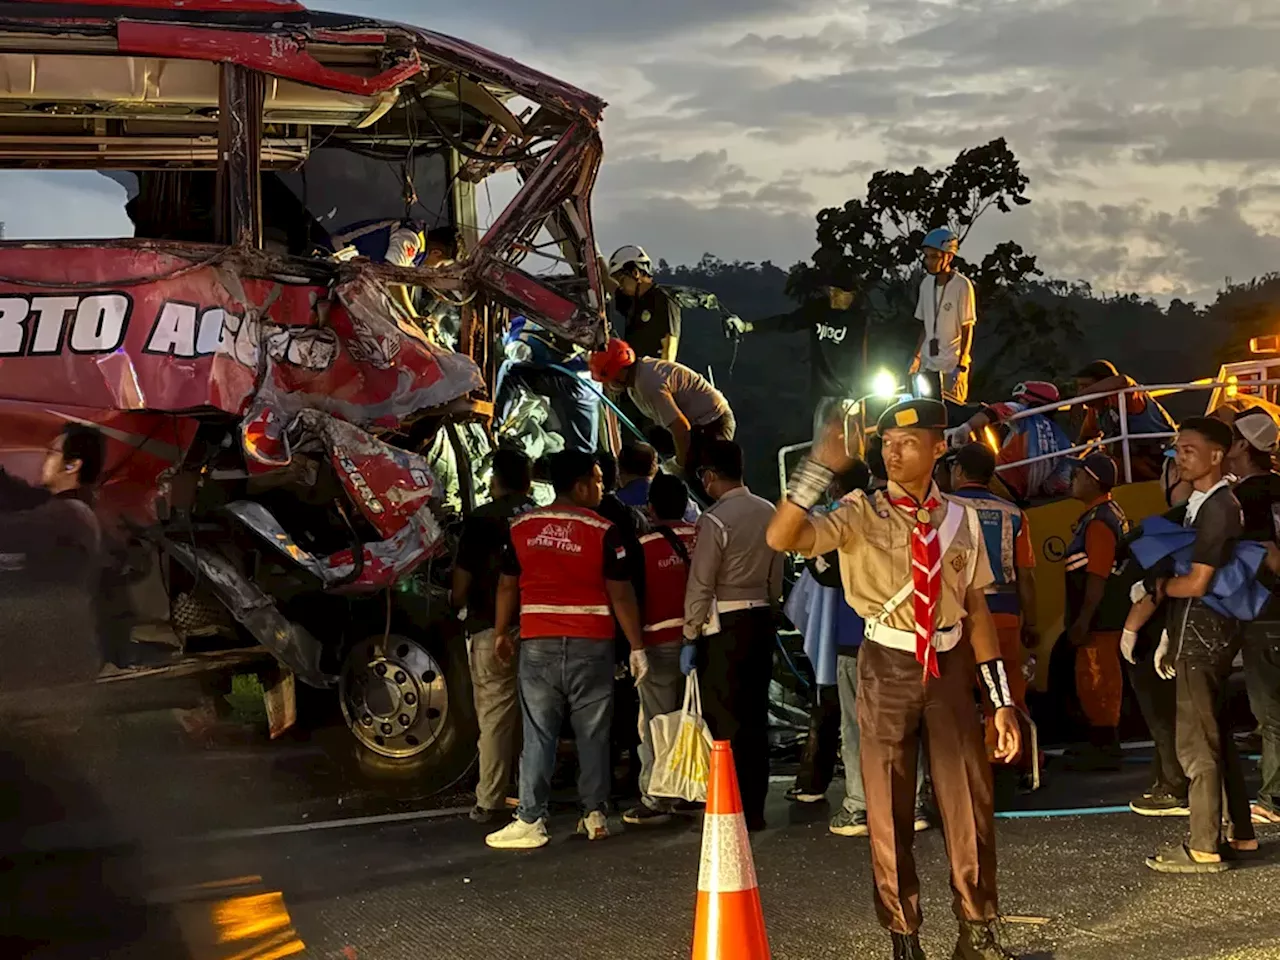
(996, 682)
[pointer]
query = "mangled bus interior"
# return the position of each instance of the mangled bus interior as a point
(292, 354)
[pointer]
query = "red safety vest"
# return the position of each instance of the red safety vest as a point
(665, 577)
(562, 589)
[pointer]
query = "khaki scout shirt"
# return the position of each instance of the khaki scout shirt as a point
(874, 540)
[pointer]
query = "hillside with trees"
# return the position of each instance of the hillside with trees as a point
(1030, 326)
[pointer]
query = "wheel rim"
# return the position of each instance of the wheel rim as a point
(394, 696)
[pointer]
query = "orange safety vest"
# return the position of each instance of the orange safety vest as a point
(665, 577)
(562, 589)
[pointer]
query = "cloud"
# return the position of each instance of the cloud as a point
(680, 232)
(1147, 127)
(648, 174)
(1187, 253)
(571, 22)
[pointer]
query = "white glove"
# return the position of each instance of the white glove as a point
(1164, 660)
(639, 665)
(1128, 640)
(1137, 592)
(958, 436)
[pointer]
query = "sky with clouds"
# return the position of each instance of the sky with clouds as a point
(1150, 129)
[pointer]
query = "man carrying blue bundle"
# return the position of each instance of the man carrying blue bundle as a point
(1207, 601)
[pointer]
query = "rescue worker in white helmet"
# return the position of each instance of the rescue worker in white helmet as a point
(947, 310)
(651, 315)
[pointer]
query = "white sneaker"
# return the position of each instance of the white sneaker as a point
(518, 835)
(594, 825)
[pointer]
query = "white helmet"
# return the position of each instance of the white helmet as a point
(627, 256)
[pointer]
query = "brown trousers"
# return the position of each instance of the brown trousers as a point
(893, 708)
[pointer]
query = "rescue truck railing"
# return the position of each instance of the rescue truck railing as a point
(1232, 387)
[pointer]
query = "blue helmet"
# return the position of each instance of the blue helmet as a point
(942, 239)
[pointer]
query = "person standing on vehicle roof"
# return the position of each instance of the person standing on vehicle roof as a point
(651, 316)
(735, 586)
(1011, 597)
(914, 566)
(1255, 441)
(1198, 648)
(946, 307)
(1144, 416)
(566, 574)
(485, 533)
(672, 396)
(1096, 608)
(667, 553)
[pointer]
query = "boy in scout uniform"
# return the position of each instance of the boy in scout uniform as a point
(914, 566)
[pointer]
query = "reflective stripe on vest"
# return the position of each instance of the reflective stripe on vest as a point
(1113, 609)
(562, 585)
(665, 578)
(1000, 522)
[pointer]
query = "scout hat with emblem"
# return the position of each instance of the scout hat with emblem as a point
(918, 414)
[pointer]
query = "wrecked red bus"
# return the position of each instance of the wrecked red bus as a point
(291, 437)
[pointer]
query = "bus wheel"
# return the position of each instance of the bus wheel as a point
(395, 695)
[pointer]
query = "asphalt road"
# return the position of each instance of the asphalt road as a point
(270, 851)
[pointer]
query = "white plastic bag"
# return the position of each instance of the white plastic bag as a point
(681, 749)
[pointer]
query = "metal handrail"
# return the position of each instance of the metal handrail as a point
(1123, 439)
(1123, 410)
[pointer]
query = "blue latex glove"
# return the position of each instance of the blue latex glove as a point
(688, 655)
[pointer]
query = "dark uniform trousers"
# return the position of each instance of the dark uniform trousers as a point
(734, 670)
(894, 706)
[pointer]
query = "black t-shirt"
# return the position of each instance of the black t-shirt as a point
(484, 534)
(1257, 496)
(835, 346)
(1219, 524)
(617, 556)
(648, 319)
(1206, 636)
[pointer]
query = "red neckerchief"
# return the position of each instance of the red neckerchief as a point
(926, 575)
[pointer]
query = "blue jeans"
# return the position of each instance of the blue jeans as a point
(559, 674)
(855, 799)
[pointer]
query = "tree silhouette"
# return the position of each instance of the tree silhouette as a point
(871, 246)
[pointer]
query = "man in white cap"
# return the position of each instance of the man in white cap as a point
(1257, 488)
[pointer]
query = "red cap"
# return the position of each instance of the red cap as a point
(607, 364)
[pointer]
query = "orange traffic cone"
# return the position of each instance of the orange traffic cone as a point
(729, 924)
